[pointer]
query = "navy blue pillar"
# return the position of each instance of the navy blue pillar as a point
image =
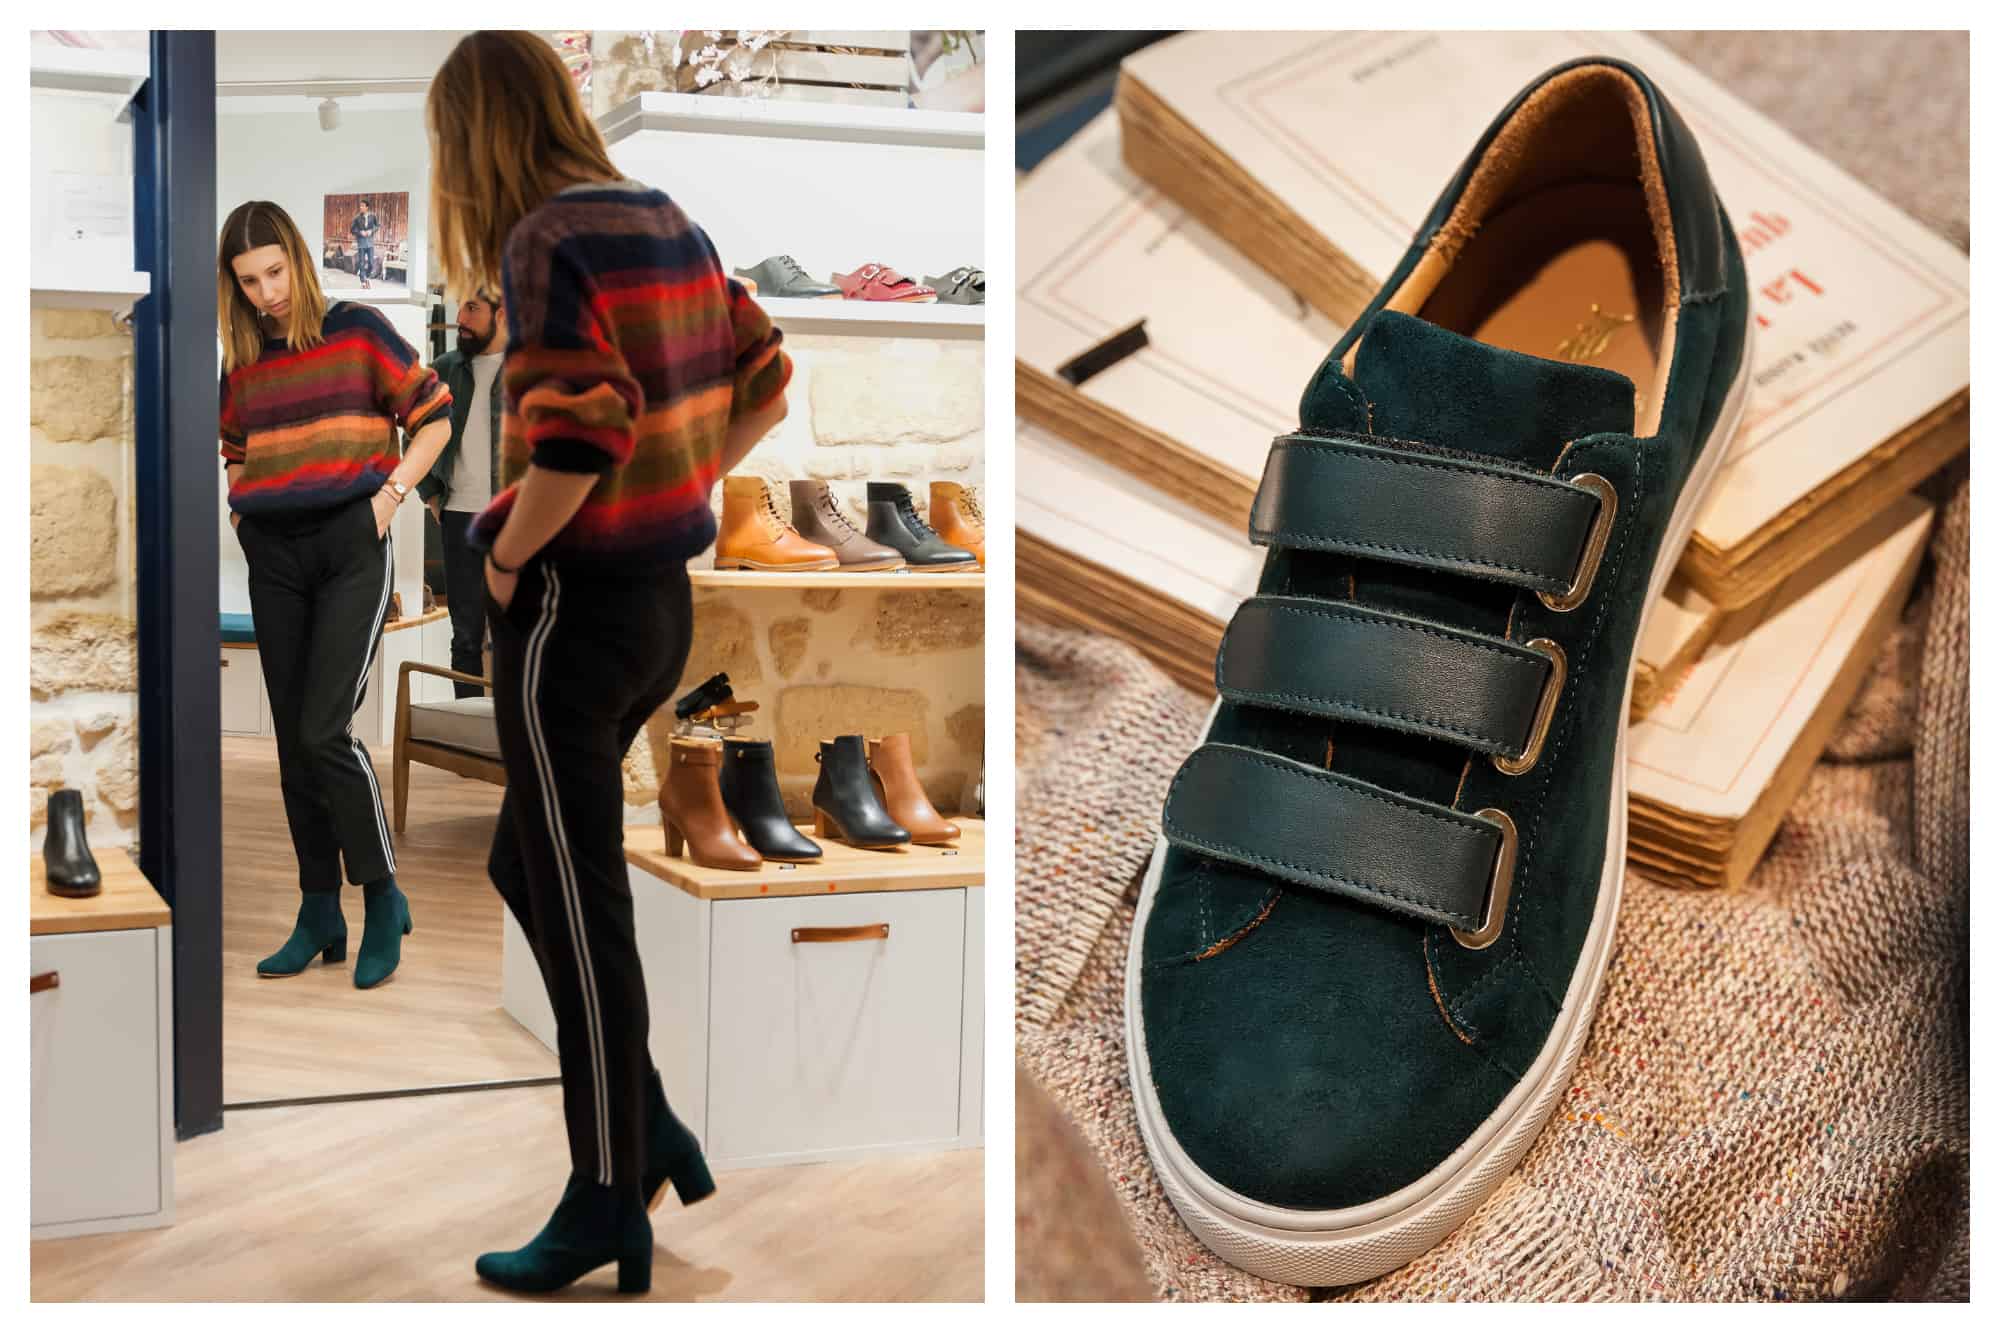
(174, 396)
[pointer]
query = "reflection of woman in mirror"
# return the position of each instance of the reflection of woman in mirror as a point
(637, 372)
(312, 398)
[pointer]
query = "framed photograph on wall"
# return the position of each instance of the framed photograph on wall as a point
(366, 243)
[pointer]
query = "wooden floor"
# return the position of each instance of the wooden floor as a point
(392, 1200)
(435, 1023)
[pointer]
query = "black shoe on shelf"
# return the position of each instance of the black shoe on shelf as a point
(893, 521)
(72, 870)
(750, 793)
(845, 805)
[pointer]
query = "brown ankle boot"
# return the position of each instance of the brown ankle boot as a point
(955, 516)
(755, 536)
(691, 809)
(895, 775)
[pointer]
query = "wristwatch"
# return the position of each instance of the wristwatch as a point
(402, 491)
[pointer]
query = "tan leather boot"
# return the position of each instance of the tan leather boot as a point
(895, 775)
(692, 812)
(755, 536)
(956, 517)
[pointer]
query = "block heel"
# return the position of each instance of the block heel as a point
(335, 952)
(635, 1275)
(676, 841)
(691, 1180)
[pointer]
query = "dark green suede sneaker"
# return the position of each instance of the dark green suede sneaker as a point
(1369, 946)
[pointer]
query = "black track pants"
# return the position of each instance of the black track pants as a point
(465, 599)
(579, 664)
(319, 592)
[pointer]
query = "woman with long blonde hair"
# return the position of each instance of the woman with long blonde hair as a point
(636, 373)
(312, 399)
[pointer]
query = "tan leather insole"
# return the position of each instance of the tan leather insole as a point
(1571, 274)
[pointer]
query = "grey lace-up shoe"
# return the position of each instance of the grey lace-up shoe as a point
(780, 275)
(817, 515)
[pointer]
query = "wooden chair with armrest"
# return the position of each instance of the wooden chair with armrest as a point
(424, 749)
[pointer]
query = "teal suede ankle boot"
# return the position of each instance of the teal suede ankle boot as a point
(382, 937)
(673, 1156)
(320, 929)
(593, 1225)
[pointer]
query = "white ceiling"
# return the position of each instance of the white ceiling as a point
(340, 56)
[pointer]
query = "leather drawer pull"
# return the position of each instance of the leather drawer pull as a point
(839, 934)
(41, 981)
(1434, 511)
(1304, 825)
(1360, 664)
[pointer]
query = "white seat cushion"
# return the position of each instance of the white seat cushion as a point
(463, 724)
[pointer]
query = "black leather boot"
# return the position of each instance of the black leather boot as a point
(750, 794)
(893, 521)
(845, 805)
(72, 870)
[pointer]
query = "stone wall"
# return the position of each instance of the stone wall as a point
(83, 640)
(832, 662)
(847, 661)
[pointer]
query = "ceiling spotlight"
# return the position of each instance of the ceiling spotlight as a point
(329, 114)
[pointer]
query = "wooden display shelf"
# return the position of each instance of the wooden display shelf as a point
(388, 627)
(412, 622)
(127, 901)
(843, 869)
(895, 580)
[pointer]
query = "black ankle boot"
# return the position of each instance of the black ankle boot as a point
(750, 792)
(593, 1225)
(845, 805)
(893, 521)
(72, 871)
(673, 1157)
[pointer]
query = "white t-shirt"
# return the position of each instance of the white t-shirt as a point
(472, 470)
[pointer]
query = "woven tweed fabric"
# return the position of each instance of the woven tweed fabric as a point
(630, 350)
(1773, 1104)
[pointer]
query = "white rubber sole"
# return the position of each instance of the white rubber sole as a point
(1337, 1246)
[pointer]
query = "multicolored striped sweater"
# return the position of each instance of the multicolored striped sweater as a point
(316, 429)
(630, 350)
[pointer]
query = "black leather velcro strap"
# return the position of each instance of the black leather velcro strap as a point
(1340, 493)
(1335, 833)
(1341, 660)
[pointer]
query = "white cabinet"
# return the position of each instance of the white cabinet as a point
(246, 708)
(100, 1069)
(805, 1021)
(851, 1041)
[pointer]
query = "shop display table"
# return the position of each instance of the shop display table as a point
(100, 1052)
(807, 1011)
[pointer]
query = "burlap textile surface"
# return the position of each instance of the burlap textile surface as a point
(1774, 1101)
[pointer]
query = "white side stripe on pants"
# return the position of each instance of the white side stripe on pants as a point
(360, 687)
(531, 680)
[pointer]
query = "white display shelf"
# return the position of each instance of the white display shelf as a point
(81, 289)
(84, 70)
(697, 114)
(892, 580)
(880, 318)
(374, 297)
